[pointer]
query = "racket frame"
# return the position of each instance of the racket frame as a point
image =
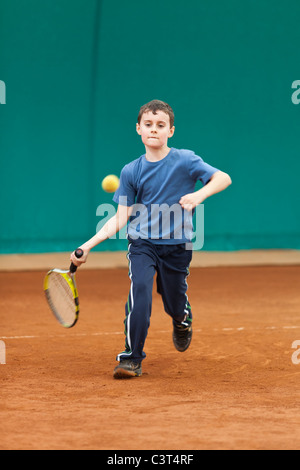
(70, 279)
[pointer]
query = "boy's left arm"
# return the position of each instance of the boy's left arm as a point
(218, 182)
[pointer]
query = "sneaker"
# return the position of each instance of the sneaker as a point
(182, 334)
(126, 369)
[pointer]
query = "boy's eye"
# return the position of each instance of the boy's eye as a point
(148, 124)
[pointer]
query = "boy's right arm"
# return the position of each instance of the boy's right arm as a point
(112, 226)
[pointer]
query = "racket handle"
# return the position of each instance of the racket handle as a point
(78, 254)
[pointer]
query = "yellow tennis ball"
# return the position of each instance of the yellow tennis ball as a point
(110, 183)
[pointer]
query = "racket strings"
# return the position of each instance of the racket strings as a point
(61, 298)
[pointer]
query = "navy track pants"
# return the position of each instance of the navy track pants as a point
(171, 263)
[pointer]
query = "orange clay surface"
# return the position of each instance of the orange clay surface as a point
(235, 388)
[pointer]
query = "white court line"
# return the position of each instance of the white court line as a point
(112, 333)
(62, 336)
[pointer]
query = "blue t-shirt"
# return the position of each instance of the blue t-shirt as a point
(154, 190)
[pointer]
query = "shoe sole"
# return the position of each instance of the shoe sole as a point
(126, 374)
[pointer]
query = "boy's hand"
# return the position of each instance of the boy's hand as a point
(218, 182)
(190, 201)
(78, 262)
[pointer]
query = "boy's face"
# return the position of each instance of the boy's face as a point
(155, 129)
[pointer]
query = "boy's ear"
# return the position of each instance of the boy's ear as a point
(138, 128)
(172, 130)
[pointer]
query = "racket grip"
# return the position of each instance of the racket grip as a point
(78, 254)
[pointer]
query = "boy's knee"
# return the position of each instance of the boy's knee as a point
(142, 286)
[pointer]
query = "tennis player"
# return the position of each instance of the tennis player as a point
(157, 196)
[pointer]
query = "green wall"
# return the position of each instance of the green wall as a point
(76, 73)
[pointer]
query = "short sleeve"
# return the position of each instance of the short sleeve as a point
(199, 170)
(126, 193)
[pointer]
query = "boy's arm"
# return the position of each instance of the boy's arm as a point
(218, 182)
(112, 226)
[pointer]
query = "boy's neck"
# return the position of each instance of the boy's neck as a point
(155, 155)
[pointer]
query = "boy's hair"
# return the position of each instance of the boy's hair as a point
(154, 106)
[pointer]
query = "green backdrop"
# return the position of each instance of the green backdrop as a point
(76, 74)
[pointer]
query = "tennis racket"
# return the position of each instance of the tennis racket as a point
(62, 295)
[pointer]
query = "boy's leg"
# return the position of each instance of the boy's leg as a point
(139, 304)
(172, 273)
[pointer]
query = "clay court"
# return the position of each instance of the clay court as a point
(235, 388)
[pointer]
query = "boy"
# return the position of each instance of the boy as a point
(157, 185)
